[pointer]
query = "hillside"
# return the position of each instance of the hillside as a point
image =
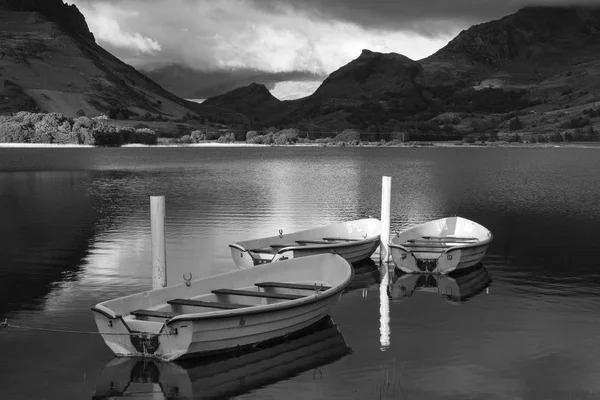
(253, 100)
(543, 59)
(50, 62)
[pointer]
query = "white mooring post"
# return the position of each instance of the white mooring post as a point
(159, 253)
(386, 198)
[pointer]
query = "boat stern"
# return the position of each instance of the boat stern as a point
(405, 260)
(114, 331)
(448, 261)
(241, 256)
(141, 338)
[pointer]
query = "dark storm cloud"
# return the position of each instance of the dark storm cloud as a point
(426, 17)
(193, 84)
(236, 34)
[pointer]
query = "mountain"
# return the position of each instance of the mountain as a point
(540, 58)
(253, 100)
(195, 84)
(49, 61)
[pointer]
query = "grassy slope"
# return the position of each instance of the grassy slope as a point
(61, 73)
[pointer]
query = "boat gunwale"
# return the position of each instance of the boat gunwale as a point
(112, 317)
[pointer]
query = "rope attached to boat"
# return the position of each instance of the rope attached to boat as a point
(5, 324)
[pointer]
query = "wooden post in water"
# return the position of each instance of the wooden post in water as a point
(159, 252)
(386, 198)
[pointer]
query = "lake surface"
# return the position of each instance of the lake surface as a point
(75, 231)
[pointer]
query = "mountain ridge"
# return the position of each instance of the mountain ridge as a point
(526, 60)
(66, 16)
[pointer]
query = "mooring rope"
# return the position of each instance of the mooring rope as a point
(5, 324)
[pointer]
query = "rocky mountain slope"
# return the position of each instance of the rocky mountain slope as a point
(538, 59)
(49, 61)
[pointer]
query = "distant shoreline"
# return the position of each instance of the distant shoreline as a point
(374, 145)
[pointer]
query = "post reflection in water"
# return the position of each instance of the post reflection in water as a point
(224, 376)
(384, 308)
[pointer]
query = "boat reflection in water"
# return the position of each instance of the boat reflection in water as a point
(366, 274)
(456, 288)
(207, 378)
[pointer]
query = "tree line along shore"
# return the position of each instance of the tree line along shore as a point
(55, 128)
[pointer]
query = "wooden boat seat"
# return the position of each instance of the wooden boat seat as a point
(153, 313)
(435, 242)
(448, 238)
(313, 242)
(428, 245)
(286, 285)
(263, 250)
(209, 304)
(252, 293)
(342, 239)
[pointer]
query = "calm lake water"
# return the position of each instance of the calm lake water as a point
(75, 231)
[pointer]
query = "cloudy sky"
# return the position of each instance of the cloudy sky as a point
(307, 38)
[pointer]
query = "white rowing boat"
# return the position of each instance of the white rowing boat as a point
(440, 246)
(354, 240)
(224, 312)
(224, 377)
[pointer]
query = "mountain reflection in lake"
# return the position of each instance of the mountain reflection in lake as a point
(75, 231)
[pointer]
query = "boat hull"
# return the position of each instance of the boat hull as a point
(358, 241)
(440, 257)
(209, 336)
(236, 332)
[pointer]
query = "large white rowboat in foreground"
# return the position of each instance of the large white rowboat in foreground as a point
(224, 312)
